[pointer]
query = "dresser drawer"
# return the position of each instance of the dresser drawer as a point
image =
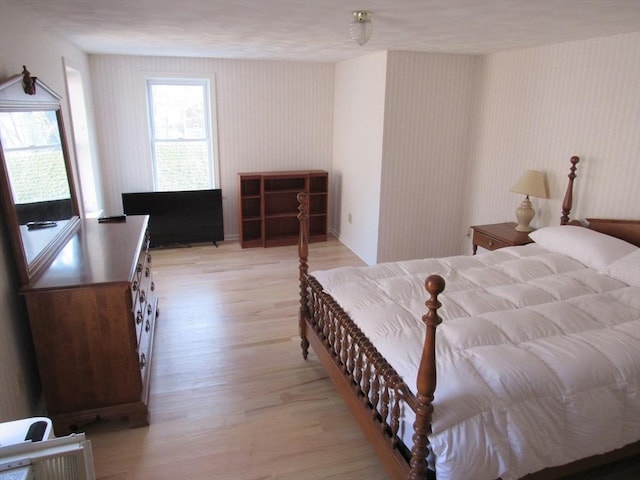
(144, 296)
(145, 344)
(143, 270)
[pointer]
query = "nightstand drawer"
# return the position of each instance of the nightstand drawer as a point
(488, 242)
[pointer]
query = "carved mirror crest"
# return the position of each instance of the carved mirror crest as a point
(38, 193)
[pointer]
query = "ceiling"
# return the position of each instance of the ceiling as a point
(318, 30)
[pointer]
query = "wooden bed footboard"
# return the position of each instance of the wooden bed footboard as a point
(371, 388)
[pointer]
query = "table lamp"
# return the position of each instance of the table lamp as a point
(532, 183)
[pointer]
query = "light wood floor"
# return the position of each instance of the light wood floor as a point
(231, 396)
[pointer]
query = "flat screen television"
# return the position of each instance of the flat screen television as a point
(179, 217)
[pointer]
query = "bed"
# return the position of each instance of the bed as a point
(537, 355)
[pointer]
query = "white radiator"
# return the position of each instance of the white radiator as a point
(63, 458)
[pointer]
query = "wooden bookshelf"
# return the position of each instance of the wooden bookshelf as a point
(268, 207)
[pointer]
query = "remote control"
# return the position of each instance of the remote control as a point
(114, 219)
(41, 224)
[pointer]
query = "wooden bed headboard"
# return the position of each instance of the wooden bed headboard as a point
(627, 230)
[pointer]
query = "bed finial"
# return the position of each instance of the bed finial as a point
(434, 284)
(567, 203)
(303, 256)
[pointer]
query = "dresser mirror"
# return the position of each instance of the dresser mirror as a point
(37, 189)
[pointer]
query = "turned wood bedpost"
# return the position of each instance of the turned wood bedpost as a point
(567, 203)
(426, 383)
(303, 254)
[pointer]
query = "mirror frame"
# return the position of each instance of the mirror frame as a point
(23, 93)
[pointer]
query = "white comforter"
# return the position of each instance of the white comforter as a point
(538, 357)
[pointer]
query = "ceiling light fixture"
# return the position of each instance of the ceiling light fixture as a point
(361, 26)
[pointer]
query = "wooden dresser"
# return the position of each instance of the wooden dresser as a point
(92, 312)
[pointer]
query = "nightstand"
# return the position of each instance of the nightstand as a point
(498, 235)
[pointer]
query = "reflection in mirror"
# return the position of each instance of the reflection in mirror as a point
(36, 239)
(36, 186)
(36, 167)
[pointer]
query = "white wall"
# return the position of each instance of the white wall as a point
(460, 130)
(357, 152)
(24, 42)
(541, 106)
(430, 101)
(271, 116)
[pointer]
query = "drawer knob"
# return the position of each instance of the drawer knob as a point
(147, 272)
(149, 309)
(134, 286)
(139, 317)
(139, 269)
(153, 286)
(490, 243)
(147, 326)
(143, 296)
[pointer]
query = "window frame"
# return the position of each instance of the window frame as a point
(211, 137)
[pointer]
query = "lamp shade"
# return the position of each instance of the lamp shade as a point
(532, 183)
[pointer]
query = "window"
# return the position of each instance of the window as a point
(181, 134)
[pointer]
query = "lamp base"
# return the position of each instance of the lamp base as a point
(524, 214)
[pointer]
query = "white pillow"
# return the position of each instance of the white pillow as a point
(593, 249)
(627, 269)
